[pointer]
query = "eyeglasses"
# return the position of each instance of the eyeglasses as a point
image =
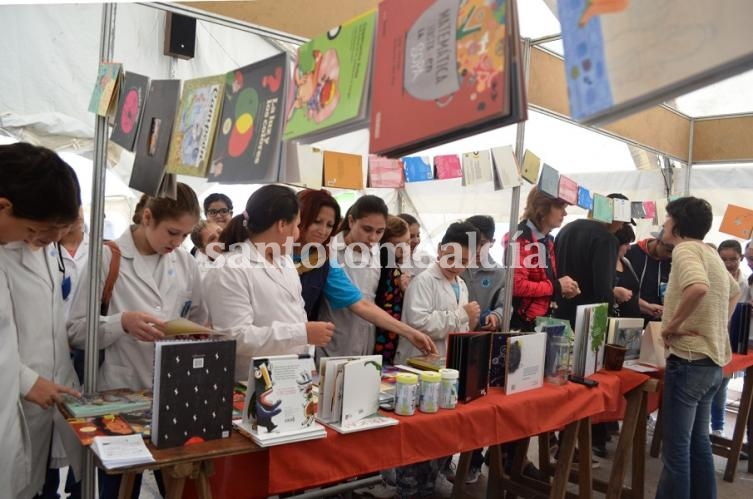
(218, 211)
(66, 285)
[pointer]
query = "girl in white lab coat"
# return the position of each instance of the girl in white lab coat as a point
(39, 200)
(158, 281)
(254, 293)
(436, 300)
(356, 248)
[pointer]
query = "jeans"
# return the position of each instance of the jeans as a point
(717, 406)
(688, 469)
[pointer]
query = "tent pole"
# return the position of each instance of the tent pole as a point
(689, 171)
(96, 222)
(515, 202)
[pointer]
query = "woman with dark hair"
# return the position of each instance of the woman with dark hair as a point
(700, 297)
(627, 285)
(254, 294)
(39, 201)
(158, 281)
(348, 278)
(535, 282)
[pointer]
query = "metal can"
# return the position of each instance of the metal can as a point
(448, 388)
(430, 381)
(406, 393)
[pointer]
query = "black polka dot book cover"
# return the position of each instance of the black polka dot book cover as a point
(193, 391)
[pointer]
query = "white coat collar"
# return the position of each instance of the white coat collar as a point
(27, 259)
(274, 272)
(436, 272)
(128, 250)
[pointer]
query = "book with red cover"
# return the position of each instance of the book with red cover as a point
(444, 69)
(88, 428)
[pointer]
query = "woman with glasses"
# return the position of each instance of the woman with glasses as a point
(39, 200)
(218, 208)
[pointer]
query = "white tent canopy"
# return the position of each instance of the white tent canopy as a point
(50, 60)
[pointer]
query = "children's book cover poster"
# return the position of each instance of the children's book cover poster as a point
(549, 181)
(154, 136)
(637, 209)
(447, 166)
(130, 109)
(417, 169)
(386, 172)
(649, 207)
(247, 146)
(330, 80)
(194, 127)
(506, 167)
(531, 167)
(624, 55)
(440, 66)
(737, 221)
(477, 167)
(621, 210)
(602, 208)
(109, 76)
(585, 200)
(568, 190)
(343, 170)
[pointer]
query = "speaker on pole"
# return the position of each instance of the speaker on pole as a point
(180, 35)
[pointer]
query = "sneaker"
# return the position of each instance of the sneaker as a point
(473, 475)
(718, 433)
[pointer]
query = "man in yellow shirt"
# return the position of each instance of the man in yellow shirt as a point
(700, 295)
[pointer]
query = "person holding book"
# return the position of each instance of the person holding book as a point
(254, 294)
(39, 201)
(437, 302)
(356, 251)
(158, 281)
(700, 296)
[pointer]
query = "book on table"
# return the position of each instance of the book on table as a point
(498, 358)
(193, 391)
(444, 70)
(627, 332)
(280, 403)
(349, 393)
(98, 426)
(525, 362)
(115, 401)
(469, 353)
(591, 322)
(121, 451)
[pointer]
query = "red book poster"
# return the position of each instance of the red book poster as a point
(568, 190)
(442, 71)
(447, 166)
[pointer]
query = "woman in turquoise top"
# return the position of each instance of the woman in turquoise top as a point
(320, 214)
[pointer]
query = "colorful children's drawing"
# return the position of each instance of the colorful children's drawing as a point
(106, 88)
(194, 128)
(248, 141)
(130, 108)
(330, 80)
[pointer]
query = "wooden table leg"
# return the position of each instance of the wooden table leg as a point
(494, 481)
(625, 442)
(461, 473)
(545, 463)
(741, 423)
(585, 483)
(567, 450)
(637, 485)
(126, 485)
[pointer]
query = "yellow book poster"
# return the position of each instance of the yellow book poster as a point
(195, 125)
(531, 167)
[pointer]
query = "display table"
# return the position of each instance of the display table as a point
(493, 419)
(725, 447)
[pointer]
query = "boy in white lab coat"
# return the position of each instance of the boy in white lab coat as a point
(39, 200)
(436, 302)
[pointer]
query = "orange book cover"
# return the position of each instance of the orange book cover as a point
(342, 170)
(737, 221)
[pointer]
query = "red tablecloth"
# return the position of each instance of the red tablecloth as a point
(492, 419)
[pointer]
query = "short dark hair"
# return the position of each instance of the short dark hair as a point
(731, 244)
(214, 197)
(266, 206)
(39, 184)
(692, 217)
(625, 235)
(409, 219)
(461, 233)
(484, 224)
